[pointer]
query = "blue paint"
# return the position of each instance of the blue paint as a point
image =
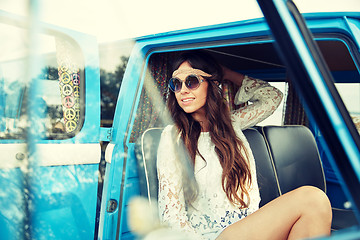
(65, 197)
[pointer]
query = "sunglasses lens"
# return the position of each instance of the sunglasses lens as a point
(175, 84)
(192, 82)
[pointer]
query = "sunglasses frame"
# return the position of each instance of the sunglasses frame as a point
(199, 78)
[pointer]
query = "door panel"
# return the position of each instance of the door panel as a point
(49, 130)
(316, 86)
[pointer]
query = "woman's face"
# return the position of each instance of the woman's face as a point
(191, 101)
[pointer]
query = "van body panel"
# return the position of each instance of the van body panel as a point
(52, 180)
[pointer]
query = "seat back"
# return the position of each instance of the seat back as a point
(266, 176)
(286, 157)
(146, 152)
(295, 155)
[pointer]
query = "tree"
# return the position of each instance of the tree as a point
(110, 84)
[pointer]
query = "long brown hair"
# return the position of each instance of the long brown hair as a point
(236, 173)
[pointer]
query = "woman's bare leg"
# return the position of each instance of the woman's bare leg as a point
(301, 213)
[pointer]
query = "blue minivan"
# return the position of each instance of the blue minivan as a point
(80, 121)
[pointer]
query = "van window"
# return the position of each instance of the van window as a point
(152, 110)
(277, 118)
(259, 61)
(113, 61)
(350, 94)
(342, 57)
(59, 83)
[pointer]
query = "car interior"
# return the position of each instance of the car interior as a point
(287, 155)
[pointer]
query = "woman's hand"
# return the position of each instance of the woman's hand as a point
(232, 76)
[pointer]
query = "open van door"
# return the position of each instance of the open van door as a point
(315, 83)
(49, 131)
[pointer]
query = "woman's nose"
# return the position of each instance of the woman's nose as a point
(183, 88)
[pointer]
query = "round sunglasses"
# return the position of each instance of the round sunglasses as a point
(192, 82)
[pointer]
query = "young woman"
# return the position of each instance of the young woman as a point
(211, 191)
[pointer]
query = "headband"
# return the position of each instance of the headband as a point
(187, 71)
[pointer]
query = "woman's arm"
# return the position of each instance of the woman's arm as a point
(171, 201)
(232, 76)
(263, 98)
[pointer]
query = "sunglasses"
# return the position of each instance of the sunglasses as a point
(192, 82)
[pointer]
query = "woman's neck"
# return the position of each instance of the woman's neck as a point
(200, 118)
(204, 126)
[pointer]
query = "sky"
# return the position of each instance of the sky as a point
(111, 20)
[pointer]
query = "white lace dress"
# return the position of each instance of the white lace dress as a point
(211, 212)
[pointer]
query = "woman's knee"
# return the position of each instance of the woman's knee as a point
(314, 201)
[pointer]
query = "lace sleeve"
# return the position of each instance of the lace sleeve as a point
(171, 202)
(264, 100)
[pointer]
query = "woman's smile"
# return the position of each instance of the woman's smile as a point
(187, 100)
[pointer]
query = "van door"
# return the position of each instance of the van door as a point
(316, 86)
(49, 131)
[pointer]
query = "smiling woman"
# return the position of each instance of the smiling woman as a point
(106, 107)
(218, 195)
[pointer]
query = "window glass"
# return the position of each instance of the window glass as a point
(350, 94)
(342, 65)
(152, 110)
(59, 85)
(341, 58)
(277, 118)
(113, 61)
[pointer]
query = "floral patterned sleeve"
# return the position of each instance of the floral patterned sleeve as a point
(264, 100)
(171, 201)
